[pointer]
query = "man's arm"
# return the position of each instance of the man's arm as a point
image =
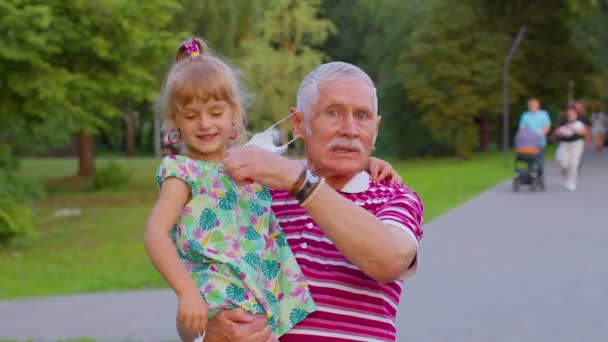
(382, 251)
(547, 127)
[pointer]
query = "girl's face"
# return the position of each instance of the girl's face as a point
(206, 128)
(572, 114)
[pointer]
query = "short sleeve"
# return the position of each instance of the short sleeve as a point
(522, 121)
(404, 210)
(547, 119)
(172, 167)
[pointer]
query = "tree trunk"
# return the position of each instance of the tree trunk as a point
(130, 131)
(86, 155)
(484, 134)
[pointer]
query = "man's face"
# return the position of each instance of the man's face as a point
(533, 105)
(340, 130)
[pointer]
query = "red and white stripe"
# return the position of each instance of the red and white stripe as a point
(351, 306)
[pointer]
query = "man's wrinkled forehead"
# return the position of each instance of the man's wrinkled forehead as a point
(347, 92)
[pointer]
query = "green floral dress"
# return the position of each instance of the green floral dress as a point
(230, 243)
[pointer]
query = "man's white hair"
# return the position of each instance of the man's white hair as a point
(308, 93)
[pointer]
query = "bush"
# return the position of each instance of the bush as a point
(8, 160)
(111, 176)
(16, 219)
(20, 189)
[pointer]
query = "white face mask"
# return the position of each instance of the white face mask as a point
(265, 139)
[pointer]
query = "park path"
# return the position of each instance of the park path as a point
(515, 266)
(502, 267)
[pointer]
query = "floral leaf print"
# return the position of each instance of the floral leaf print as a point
(196, 253)
(188, 221)
(227, 183)
(297, 315)
(217, 236)
(270, 297)
(256, 209)
(281, 241)
(270, 268)
(253, 260)
(258, 309)
(273, 323)
(264, 195)
(229, 201)
(248, 246)
(208, 219)
(214, 296)
(243, 205)
(252, 234)
(235, 293)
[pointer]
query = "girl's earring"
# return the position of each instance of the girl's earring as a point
(172, 132)
(234, 134)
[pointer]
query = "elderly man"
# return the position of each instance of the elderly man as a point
(355, 240)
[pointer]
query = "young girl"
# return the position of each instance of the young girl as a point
(230, 251)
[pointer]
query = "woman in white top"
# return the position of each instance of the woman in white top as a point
(571, 134)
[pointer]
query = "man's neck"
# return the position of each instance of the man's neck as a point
(335, 182)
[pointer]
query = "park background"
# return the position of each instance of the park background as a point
(79, 135)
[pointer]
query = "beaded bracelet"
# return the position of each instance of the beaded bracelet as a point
(314, 193)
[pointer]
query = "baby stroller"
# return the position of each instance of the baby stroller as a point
(527, 170)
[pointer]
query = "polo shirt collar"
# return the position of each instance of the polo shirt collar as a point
(359, 183)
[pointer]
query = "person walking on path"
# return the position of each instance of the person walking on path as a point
(538, 121)
(571, 135)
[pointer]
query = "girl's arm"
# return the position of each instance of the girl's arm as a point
(161, 250)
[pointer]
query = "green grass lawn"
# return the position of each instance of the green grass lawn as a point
(102, 249)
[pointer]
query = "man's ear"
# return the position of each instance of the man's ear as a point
(378, 119)
(297, 122)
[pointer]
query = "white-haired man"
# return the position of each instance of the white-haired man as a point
(355, 240)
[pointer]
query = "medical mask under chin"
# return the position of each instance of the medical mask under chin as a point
(265, 139)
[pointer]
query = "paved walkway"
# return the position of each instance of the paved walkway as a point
(503, 267)
(516, 266)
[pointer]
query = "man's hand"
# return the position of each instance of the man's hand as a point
(251, 163)
(238, 326)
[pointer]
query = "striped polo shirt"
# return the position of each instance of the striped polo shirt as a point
(351, 306)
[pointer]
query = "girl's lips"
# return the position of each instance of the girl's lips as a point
(207, 137)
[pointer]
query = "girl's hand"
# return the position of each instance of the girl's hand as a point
(381, 170)
(192, 311)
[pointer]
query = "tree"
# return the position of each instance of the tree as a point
(82, 62)
(280, 53)
(453, 72)
(590, 36)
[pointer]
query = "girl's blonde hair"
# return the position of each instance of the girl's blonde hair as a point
(203, 77)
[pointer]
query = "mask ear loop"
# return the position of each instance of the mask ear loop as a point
(278, 122)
